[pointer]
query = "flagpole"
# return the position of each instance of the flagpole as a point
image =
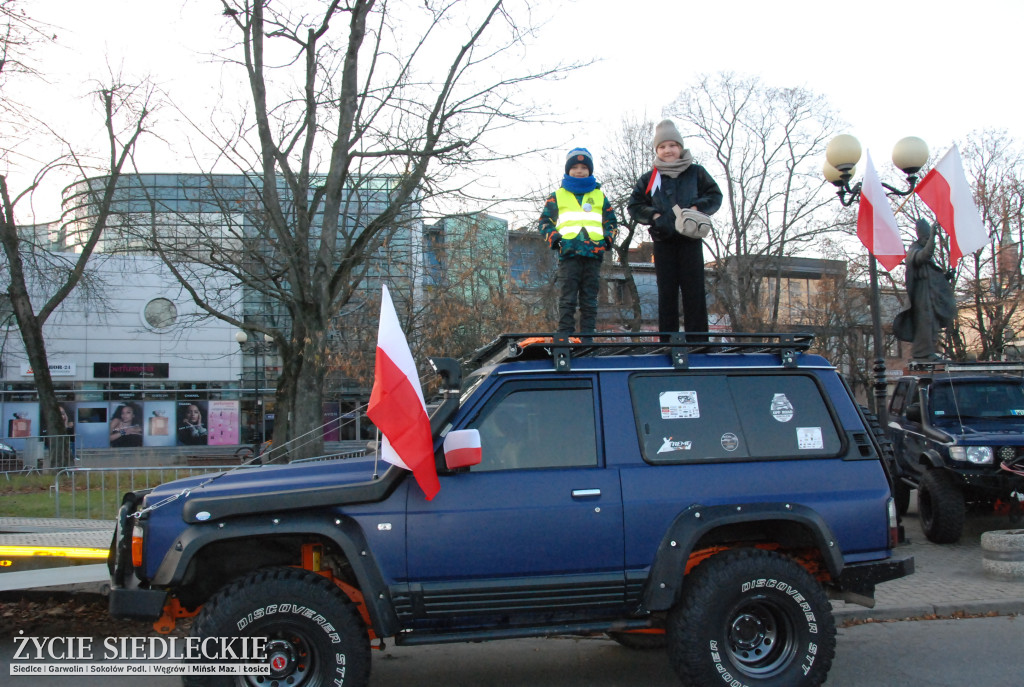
(878, 369)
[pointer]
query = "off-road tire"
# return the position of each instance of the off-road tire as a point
(641, 641)
(315, 635)
(940, 503)
(751, 617)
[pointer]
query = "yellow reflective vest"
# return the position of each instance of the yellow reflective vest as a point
(574, 217)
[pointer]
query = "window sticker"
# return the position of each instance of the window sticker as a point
(668, 445)
(677, 405)
(730, 442)
(782, 409)
(809, 438)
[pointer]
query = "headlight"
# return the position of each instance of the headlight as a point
(979, 455)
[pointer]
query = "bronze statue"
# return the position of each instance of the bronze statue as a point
(932, 303)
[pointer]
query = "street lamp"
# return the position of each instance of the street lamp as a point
(257, 347)
(842, 155)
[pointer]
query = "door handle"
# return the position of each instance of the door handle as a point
(585, 493)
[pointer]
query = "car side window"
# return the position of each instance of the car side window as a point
(899, 398)
(528, 428)
(688, 418)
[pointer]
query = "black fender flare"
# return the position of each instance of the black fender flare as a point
(341, 530)
(664, 584)
(931, 458)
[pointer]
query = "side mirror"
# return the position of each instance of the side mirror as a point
(462, 448)
(914, 412)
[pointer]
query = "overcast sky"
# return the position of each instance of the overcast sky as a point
(937, 69)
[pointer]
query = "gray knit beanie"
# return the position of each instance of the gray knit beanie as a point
(667, 131)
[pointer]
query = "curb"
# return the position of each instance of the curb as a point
(942, 610)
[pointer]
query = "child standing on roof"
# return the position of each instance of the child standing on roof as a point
(676, 182)
(579, 223)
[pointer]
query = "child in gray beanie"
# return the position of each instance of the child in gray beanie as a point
(578, 222)
(676, 181)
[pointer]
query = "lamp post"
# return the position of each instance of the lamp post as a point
(257, 348)
(842, 155)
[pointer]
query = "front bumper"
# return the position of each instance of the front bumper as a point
(127, 598)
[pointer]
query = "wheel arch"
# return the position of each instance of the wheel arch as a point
(790, 526)
(282, 537)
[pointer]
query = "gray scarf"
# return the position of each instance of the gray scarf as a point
(677, 167)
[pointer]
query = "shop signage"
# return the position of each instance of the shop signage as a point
(130, 370)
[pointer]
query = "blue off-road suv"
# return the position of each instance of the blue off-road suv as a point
(708, 497)
(957, 433)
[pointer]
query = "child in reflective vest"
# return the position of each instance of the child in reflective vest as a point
(578, 222)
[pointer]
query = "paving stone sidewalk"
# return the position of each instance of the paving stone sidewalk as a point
(948, 579)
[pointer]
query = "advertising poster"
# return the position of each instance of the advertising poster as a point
(192, 423)
(91, 427)
(125, 428)
(332, 421)
(20, 421)
(223, 423)
(159, 424)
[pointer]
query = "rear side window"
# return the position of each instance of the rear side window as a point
(688, 418)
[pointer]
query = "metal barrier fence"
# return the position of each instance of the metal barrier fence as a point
(95, 493)
(32, 453)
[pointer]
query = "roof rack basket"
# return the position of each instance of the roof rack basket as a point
(973, 367)
(562, 348)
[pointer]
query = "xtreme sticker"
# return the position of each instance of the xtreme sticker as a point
(668, 445)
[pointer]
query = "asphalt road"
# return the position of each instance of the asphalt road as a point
(938, 653)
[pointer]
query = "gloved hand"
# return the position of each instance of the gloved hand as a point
(556, 240)
(691, 223)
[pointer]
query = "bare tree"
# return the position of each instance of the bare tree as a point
(765, 146)
(34, 271)
(990, 281)
(630, 154)
(360, 112)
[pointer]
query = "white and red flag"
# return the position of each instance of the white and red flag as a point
(945, 190)
(396, 403)
(876, 225)
(462, 449)
(654, 183)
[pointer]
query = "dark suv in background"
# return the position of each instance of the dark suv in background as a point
(957, 431)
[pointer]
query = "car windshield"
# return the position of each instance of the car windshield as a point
(981, 399)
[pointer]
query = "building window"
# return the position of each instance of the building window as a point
(160, 313)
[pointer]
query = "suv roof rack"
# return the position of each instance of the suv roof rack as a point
(949, 366)
(561, 348)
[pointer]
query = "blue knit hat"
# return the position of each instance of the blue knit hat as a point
(579, 156)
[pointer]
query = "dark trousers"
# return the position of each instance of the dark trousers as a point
(578, 282)
(679, 268)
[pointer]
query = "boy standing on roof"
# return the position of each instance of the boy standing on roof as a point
(579, 223)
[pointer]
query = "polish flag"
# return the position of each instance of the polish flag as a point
(945, 190)
(462, 449)
(654, 183)
(396, 403)
(876, 225)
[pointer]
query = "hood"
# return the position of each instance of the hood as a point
(984, 431)
(268, 483)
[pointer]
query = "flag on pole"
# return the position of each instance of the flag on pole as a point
(945, 190)
(396, 403)
(876, 225)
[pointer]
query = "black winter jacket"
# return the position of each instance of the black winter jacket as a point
(694, 187)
